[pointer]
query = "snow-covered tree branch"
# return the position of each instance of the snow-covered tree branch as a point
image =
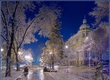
(18, 30)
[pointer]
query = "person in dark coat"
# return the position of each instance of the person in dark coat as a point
(25, 71)
(45, 69)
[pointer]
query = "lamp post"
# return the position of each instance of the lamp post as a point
(1, 62)
(89, 58)
(68, 56)
(52, 58)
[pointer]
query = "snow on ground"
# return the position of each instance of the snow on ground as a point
(64, 73)
(63, 76)
(78, 69)
(14, 75)
(74, 73)
(19, 74)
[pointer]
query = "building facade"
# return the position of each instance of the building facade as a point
(75, 42)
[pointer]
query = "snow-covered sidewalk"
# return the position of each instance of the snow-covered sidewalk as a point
(63, 76)
(14, 75)
(73, 73)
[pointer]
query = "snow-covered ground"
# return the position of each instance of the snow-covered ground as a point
(64, 73)
(74, 73)
(14, 75)
(19, 74)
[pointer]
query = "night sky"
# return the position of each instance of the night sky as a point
(71, 18)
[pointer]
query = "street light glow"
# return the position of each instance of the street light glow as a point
(50, 52)
(19, 52)
(87, 38)
(1, 49)
(66, 46)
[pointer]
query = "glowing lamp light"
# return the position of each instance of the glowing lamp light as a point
(87, 38)
(66, 46)
(50, 52)
(1, 49)
(19, 52)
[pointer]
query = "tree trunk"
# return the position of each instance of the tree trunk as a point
(52, 65)
(8, 67)
(8, 62)
(17, 63)
(52, 61)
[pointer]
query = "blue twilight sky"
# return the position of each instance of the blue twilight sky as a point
(71, 18)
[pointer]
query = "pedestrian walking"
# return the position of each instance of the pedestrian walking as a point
(25, 71)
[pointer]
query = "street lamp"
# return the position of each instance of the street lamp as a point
(69, 56)
(1, 62)
(52, 63)
(89, 58)
(1, 59)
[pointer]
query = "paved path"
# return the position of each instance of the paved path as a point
(61, 74)
(47, 76)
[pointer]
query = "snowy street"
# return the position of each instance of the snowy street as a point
(64, 73)
(54, 40)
